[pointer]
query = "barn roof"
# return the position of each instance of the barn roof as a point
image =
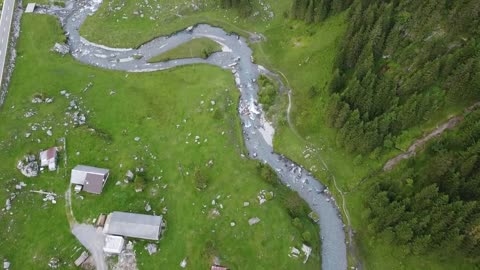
(133, 225)
(79, 173)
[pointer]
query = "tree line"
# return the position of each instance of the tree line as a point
(399, 63)
(317, 10)
(432, 201)
(244, 7)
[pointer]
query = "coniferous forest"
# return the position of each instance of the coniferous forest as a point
(244, 6)
(432, 202)
(399, 63)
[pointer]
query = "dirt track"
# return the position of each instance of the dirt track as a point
(412, 150)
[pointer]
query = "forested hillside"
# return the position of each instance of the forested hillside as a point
(243, 6)
(317, 10)
(399, 63)
(433, 201)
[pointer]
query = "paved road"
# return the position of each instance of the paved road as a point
(92, 240)
(5, 24)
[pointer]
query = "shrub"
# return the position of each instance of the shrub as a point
(201, 180)
(297, 223)
(307, 236)
(295, 205)
(267, 174)
(139, 183)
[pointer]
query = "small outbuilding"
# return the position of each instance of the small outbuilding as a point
(90, 179)
(133, 225)
(48, 158)
(30, 8)
(113, 244)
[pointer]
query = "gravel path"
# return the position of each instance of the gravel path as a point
(92, 240)
(235, 56)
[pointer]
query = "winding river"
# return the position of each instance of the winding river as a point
(237, 57)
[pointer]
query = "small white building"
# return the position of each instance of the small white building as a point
(49, 158)
(113, 244)
(30, 8)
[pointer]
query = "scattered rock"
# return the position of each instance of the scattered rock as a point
(307, 251)
(253, 221)
(137, 139)
(29, 114)
(245, 204)
(37, 100)
(6, 264)
(232, 224)
(294, 252)
(129, 176)
(54, 263)
(8, 205)
(151, 248)
(28, 168)
(183, 263)
(264, 196)
(148, 208)
(60, 48)
(49, 132)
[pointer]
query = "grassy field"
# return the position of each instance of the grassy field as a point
(304, 55)
(197, 48)
(166, 111)
(127, 27)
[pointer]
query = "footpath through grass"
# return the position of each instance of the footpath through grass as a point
(167, 110)
(196, 48)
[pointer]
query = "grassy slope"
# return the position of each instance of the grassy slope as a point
(304, 54)
(197, 48)
(128, 30)
(149, 106)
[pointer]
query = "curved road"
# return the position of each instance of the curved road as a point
(236, 56)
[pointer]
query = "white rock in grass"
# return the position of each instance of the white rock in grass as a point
(151, 248)
(253, 221)
(183, 263)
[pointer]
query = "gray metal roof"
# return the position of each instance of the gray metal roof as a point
(79, 173)
(133, 225)
(94, 183)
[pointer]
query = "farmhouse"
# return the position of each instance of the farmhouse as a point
(133, 225)
(49, 158)
(90, 179)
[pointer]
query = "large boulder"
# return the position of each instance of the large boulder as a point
(28, 168)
